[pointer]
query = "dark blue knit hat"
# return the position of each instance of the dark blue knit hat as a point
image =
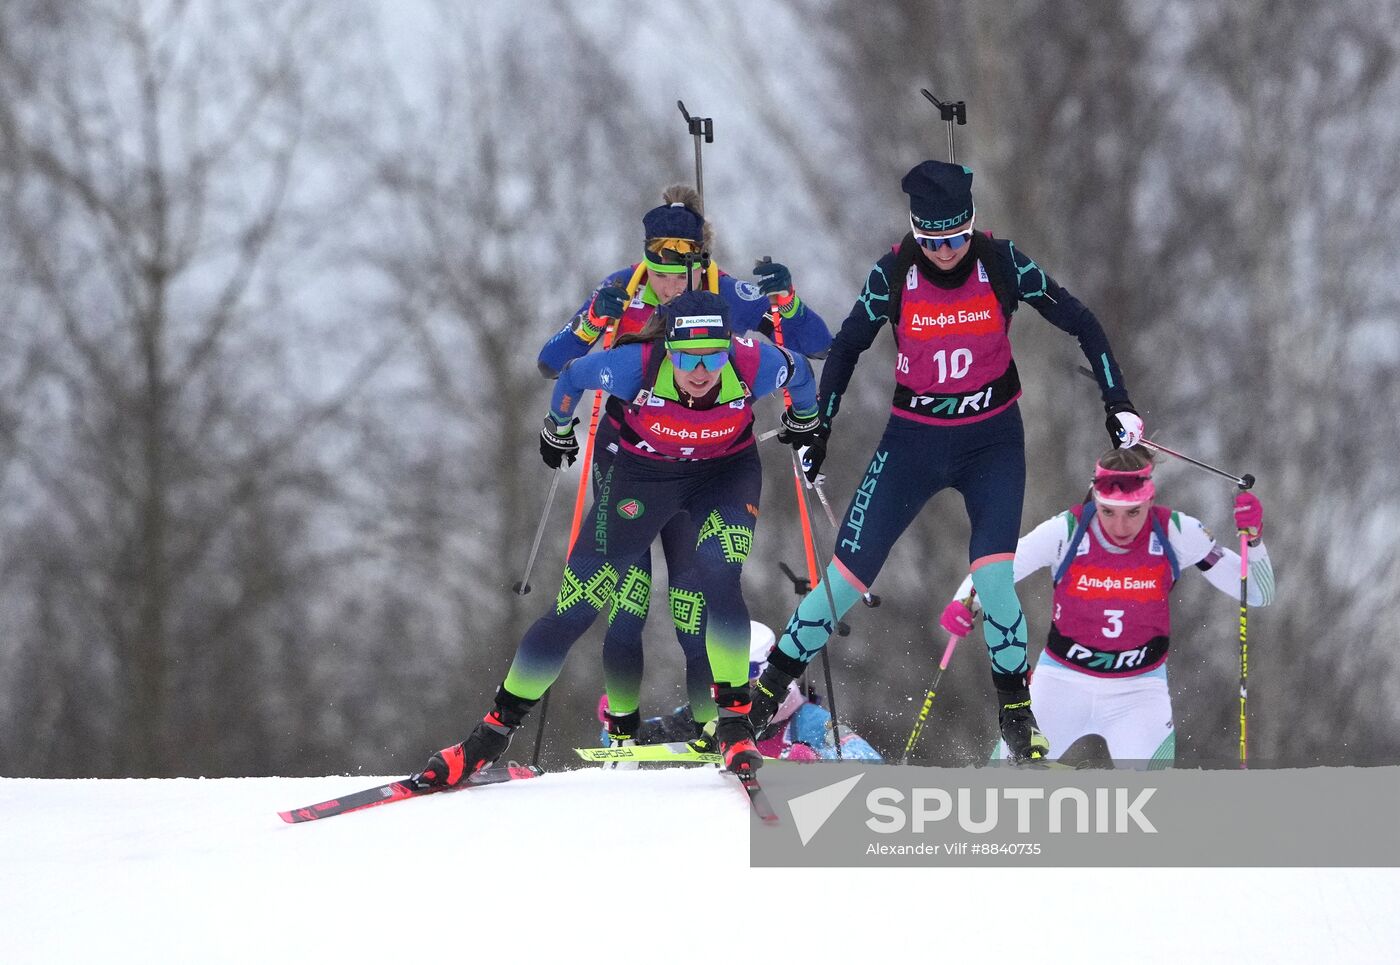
(940, 195)
(696, 319)
(674, 221)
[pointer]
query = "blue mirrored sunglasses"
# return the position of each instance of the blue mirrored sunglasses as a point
(688, 361)
(952, 241)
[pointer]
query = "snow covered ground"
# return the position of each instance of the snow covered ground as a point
(554, 869)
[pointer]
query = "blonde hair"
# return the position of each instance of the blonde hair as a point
(1131, 459)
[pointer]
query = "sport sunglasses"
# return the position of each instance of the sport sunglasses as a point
(673, 255)
(689, 361)
(1110, 483)
(954, 242)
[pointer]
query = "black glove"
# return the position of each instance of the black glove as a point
(607, 306)
(773, 278)
(558, 444)
(798, 431)
(610, 302)
(1124, 424)
(808, 439)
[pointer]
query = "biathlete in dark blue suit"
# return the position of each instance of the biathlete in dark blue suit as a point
(686, 446)
(675, 235)
(948, 292)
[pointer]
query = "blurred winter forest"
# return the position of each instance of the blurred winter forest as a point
(275, 273)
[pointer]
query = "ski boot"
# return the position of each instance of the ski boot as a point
(733, 730)
(1025, 743)
(482, 748)
(622, 732)
(705, 741)
(771, 687)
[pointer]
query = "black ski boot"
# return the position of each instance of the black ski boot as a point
(1024, 741)
(771, 687)
(622, 732)
(482, 748)
(734, 731)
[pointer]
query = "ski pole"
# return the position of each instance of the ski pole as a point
(585, 470)
(1244, 482)
(813, 576)
(1244, 645)
(815, 565)
(868, 598)
(928, 698)
(586, 464)
(775, 318)
(523, 587)
(948, 113)
(823, 578)
(933, 688)
(802, 586)
(830, 602)
(699, 127)
(816, 484)
(815, 570)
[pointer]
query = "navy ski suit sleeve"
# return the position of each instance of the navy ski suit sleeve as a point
(617, 372)
(868, 315)
(804, 333)
(567, 344)
(1036, 288)
(778, 369)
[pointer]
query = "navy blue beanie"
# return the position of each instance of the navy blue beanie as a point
(940, 195)
(698, 318)
(674, 221)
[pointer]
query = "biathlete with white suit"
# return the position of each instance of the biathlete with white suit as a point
(1114, 561)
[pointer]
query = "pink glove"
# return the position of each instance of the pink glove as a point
(957, 619)
(800, 752)
(1249, 516)
(603, 709)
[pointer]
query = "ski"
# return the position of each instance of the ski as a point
(758, 799)
(402, 790)
(676, 752)
(682, 753)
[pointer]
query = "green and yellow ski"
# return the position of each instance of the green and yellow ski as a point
(677, 752)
